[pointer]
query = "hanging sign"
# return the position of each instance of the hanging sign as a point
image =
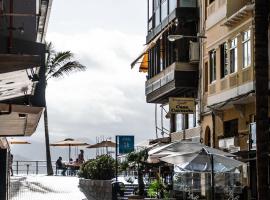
(126, 143)
(182, 105)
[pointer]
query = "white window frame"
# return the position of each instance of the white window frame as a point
(246, 48)
(233, 47)
(213, 73)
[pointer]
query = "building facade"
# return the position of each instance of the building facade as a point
(23, 25)
(171, 64)
(228, 81)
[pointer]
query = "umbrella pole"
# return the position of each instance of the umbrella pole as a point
(69, 151)
(212, 178)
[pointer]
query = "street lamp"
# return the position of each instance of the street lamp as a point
(173, 38)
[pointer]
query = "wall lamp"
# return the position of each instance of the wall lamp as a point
(173, 38)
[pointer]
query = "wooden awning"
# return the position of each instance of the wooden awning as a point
(18, 120)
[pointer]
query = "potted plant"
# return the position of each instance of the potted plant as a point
(96, 175)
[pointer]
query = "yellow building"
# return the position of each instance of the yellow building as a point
(228, 79)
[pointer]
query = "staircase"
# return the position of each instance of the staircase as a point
(129, 188)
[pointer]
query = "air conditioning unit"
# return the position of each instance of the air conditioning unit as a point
(194, 52)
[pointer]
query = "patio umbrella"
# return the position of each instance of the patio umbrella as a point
(204, 161)
(105, 143)
(69, 142)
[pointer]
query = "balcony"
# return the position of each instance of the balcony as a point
(179, 79)
(183, 14)
(233, 11)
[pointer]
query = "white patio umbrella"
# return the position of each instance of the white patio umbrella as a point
(204, 161)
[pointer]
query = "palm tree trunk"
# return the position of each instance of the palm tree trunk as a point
(261, 73)
(47, 143)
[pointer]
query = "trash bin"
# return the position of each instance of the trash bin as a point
(118, 188)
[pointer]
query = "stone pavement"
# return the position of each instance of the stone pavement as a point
(45, 188)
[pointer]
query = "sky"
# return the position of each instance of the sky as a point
(108, 98)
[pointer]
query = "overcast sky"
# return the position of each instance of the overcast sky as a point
(108, 99)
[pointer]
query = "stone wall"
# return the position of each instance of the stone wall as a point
(96, 189)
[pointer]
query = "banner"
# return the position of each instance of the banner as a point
(182, 105)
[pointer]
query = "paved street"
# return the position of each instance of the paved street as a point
(45, 187)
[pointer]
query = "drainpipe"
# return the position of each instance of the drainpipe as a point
(201, 65)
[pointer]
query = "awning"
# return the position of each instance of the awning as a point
(144, 54)
(18, 120)
(144, 64)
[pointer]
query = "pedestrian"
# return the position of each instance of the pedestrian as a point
(10, 163)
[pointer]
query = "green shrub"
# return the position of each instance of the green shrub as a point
(101, 168)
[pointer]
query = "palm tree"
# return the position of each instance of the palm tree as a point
(57, 64)
(261, 73)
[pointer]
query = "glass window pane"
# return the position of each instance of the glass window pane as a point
(172, 5)
(157, 17)
(164, 9)
(188, 3)
(179, 122)
(190, 120)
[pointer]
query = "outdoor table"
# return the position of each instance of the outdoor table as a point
(72, 168)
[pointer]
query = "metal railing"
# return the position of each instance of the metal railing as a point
(30, 167)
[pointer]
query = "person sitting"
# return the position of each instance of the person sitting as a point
(60, 165)
(81, 157)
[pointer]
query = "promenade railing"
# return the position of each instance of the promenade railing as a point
(30, 167)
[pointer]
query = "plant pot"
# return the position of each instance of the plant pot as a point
(96, 189)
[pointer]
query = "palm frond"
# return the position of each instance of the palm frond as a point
(68, 68)
(61, 57)
(57, 61)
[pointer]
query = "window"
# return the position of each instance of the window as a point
(172, 5)
(206, 77)
(188, 3)
(157, 12)
(246, 49)
(212, 56)
(233, 56)
(179, 122)
(223, 60)
(231, 128)
(164, 9)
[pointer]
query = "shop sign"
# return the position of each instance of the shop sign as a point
(182, 105)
